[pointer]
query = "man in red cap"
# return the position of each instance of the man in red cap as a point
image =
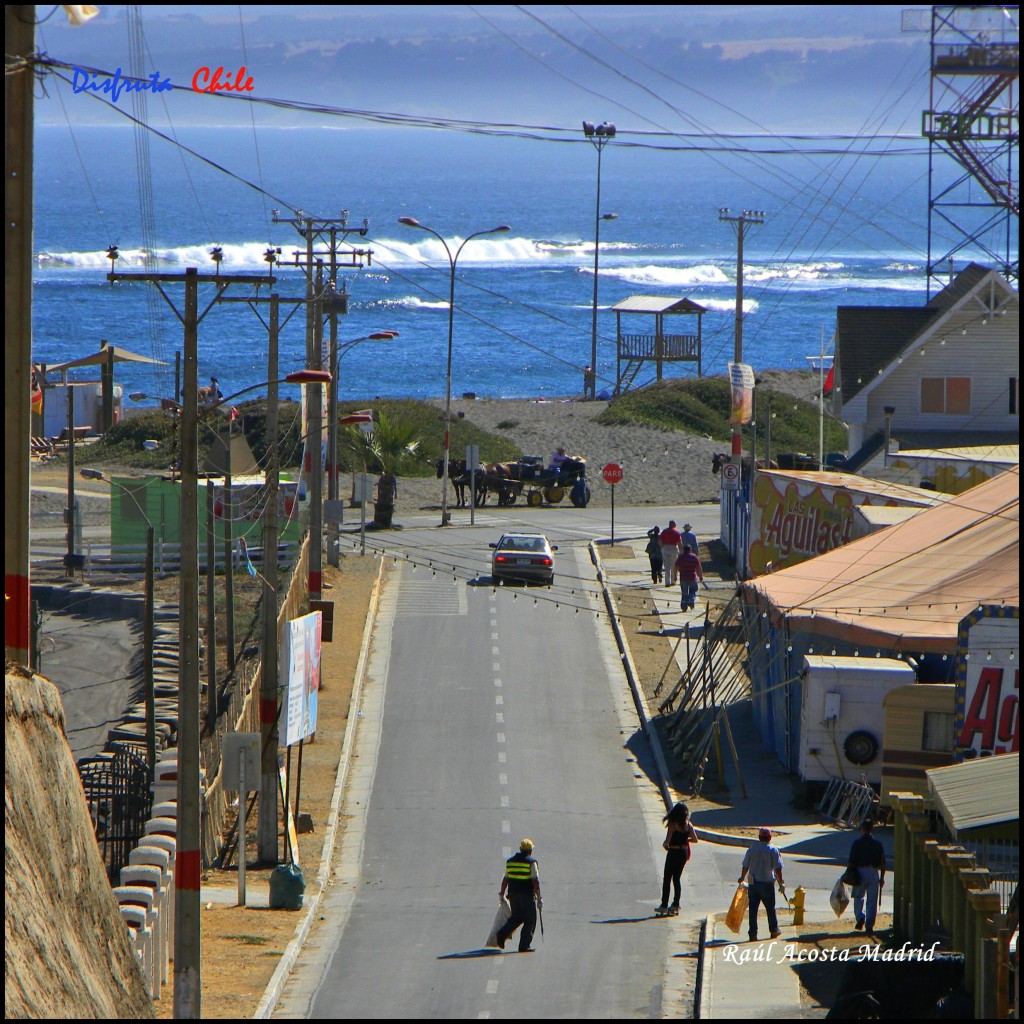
(764, 862)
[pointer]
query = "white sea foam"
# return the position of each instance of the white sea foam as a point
(498, 250)
(728, 305)
(582, 248)
(245, 254)
(666, 277)
(407, 302)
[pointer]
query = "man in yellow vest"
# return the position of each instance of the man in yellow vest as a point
(522, 882)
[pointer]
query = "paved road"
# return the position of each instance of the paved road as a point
(91, 659)
(488, 718)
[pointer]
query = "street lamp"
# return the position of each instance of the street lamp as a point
(341, 348)
(412, 222)
(338, 350)
(598, 136)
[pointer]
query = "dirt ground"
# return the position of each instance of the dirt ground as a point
(241, 946)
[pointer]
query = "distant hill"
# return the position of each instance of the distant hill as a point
(784, 67)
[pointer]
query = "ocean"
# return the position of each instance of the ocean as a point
(837, 231)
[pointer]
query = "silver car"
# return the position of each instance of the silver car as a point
(523, 556)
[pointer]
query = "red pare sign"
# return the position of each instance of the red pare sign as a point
(612, 473)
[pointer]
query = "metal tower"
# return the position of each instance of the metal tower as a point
(972, 126)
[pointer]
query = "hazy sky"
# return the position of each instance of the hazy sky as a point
(785, 67)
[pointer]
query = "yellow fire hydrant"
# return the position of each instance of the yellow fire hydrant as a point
(797, 903)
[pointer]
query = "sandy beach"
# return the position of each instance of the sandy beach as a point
(660, 467)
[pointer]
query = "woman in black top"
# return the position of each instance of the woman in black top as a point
(677, 853)
(654, 554)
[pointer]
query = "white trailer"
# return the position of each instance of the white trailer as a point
(841, 716)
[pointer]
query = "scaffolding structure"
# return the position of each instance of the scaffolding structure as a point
(972, 127)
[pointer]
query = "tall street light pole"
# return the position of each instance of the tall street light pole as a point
(338, 350)
(598, 136)
(412, 222)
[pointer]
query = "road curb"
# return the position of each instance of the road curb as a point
(275, 986)
(631, 678)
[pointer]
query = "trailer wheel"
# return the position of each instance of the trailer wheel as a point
(534, 499)
(860, 747)
(554, 494)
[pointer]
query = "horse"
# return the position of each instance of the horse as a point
(460, 477)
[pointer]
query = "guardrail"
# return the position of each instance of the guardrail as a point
(131, 558)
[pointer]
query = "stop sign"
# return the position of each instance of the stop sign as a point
(612, 473)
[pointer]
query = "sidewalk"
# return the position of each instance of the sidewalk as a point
(741, 979)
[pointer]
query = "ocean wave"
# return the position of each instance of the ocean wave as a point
(487, 250)
(665, 277)
(728, 305)
(816, 271)
(582, 248)
(245, 254)
(408, 302)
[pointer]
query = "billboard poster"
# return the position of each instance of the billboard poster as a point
(792, 520)
(300, 671)
(741, 381)
(988, 683)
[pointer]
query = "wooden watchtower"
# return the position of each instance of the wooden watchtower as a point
(654, 345)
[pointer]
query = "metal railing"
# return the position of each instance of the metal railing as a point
(669, 346)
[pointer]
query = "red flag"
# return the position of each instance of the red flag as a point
(829, 378)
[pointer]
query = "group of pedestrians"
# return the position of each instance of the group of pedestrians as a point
(673, 555)
(762, 865)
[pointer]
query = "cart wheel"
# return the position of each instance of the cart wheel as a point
(534, 498)
(554, 494)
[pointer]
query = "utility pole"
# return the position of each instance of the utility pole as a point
(747, 219)
(267, 823)
(188, 864)
(19, 81)
(322, 298)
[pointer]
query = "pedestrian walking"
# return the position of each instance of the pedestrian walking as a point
(689, 570)
(522, 882)
(764, 863)
(653, 550)
(868, 856)
(677, 852)
(687, 536)
(670, 540)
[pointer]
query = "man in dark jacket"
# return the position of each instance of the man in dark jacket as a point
(522, 881)
(868, 856)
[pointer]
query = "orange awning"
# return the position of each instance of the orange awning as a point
(908, 586)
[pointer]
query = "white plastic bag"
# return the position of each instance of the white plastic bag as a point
(840, 898)
(503, 914)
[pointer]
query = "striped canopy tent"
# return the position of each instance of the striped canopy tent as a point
(908, 586)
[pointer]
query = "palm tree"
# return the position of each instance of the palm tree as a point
(390, 444)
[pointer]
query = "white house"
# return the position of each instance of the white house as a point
(941, 376)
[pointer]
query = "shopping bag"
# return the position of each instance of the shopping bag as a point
(737, 909)
(840, 899)
(851, 877)
(503, 914)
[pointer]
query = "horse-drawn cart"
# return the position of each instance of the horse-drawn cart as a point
(509, 480)
(541, 484)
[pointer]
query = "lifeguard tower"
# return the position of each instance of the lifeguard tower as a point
(635, 349)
